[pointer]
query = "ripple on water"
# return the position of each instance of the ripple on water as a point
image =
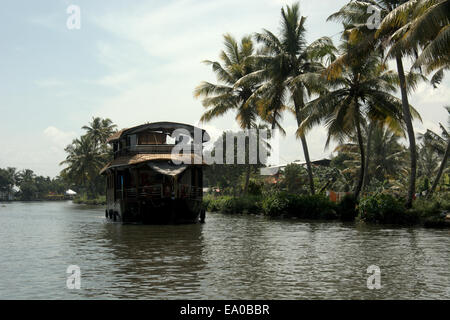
(229, 257)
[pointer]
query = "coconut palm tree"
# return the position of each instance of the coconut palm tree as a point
(355, 16)
(441, 145)
(362, 89)
(84, 161)
(291, 70)
(423, 23)
(227, 95)
(99, 130)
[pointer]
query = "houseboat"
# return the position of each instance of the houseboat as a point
(146, 182)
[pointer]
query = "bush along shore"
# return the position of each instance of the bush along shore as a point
(376, 209)
(97, 201)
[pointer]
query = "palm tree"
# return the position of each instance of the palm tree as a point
(84, 162)
(355, 16)
(12, 177)
(384, 155)
(100, 130)
(441, 144)
(291, 70)
(362, 90)
(423, 23)
(220, 98)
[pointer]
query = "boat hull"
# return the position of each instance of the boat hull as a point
(157, 211)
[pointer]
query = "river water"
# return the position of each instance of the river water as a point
(229, 257)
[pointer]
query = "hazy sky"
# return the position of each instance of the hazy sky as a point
(135, 62)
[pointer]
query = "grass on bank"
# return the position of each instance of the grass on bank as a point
(282, 204)
(83, 199)
(377, 208)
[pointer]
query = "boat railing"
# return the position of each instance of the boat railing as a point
(196, 192)
(152, 191)
(185, 191)
(188, 191)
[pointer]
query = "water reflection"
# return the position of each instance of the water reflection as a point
(229, 257)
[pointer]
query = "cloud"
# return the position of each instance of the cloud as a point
(116, 80)
(49, 83)
(58, 138)
(42, 156)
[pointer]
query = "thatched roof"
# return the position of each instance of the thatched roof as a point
(141, 158)
(165, 127)
(115, 136)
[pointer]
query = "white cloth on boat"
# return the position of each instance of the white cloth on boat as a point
(167, 168)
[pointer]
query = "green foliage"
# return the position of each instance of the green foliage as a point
(386, 209)
(277, 204)
(346, 208)
(230, 178)
(294, 179)
(86, 156)
(32, 187)
(300, 206)
(228, 204)
(255, 187)
(6, 181)
(83, 199)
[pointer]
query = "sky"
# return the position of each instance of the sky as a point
(136, 62)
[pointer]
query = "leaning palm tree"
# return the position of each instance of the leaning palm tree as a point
(355, 16)
(442, 145)
(362, 89)
(220, 98)
(426, 24)
(291, 70)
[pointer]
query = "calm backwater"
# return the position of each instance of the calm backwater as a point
(229, 257)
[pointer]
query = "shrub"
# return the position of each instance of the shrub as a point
(300, 206)
(255, 187)
(346, 208)
(385, 209)
(276, 204)
(100, 200)
(229, 204)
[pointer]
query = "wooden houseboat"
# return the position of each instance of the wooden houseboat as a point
(145, 186)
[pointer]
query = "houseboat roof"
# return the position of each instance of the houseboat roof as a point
(136, 159)
(165, 127)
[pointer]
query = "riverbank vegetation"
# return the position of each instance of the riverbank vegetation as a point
(390, 173)
(376, 209)
(351, 90)
(25, 185)
(100, 200)
(86, 156)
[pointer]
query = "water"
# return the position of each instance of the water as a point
(229, 257)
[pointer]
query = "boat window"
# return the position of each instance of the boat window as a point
(146, 138)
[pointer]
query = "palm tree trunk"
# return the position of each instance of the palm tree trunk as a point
(441, 170)
(366, 164)
(361, 150)
(247, 178)
(305, 151)
(410, 131)
(308, 165)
